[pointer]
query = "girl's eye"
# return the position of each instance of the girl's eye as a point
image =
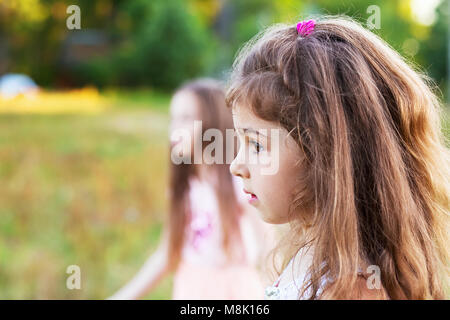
(258, 147)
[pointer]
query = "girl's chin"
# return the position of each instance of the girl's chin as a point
(271, 218)
(270, 221)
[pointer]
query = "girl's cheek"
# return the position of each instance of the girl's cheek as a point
(242, 155)
(266, 164)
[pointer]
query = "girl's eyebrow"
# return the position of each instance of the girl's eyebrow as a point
(245, 130)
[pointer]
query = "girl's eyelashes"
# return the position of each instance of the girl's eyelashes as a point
(246, 140)
(257, 146)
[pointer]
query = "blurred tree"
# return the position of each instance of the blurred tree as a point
(161, 43)
(206, 10)
(235, 23)
(172, 47)
(434, 49)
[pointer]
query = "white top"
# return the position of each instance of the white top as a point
(289, 284)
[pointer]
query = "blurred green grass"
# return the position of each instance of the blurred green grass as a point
(87, 190)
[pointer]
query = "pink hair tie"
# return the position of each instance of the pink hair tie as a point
(304, 28)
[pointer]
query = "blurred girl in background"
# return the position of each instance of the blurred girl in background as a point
(212, 238)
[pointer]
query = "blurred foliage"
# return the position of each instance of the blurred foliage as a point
(434, 49)
(164, 46)
(161, 43)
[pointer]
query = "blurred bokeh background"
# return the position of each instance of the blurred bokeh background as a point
(84, 120)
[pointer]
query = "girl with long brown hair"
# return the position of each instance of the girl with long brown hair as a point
(212, 239)
(363, 177)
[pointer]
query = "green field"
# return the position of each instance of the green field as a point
(86, 190)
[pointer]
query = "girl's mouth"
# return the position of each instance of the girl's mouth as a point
(253, 198)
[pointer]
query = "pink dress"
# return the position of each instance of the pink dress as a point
(203, 273)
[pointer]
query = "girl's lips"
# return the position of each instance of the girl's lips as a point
(253, 197)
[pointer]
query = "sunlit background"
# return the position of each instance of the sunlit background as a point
(84, 120)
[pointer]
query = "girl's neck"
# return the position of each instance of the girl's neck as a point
(298, 265)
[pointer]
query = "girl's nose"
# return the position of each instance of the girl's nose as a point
(239, 169)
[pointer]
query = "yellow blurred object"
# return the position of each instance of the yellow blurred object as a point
(26, 10)
(86, 100)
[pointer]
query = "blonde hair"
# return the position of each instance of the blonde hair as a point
(374, 181)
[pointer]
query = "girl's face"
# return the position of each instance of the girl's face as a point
(272, 193)
(183, 111)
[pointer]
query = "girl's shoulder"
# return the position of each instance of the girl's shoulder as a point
(290, 283)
